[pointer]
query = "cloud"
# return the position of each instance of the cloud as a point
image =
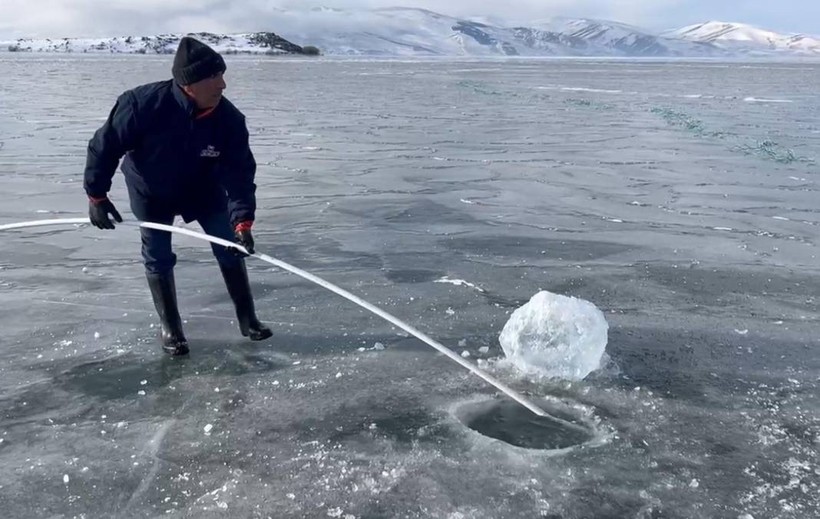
(66, 18)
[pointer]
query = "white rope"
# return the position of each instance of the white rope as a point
(329, 286)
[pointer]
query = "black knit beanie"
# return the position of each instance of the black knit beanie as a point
(195, 61)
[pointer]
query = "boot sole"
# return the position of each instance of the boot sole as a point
(176, 351)
(260, 336)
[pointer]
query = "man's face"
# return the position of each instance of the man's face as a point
(208, 92)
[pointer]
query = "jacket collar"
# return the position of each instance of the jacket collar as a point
(182, 98)
(188, 104)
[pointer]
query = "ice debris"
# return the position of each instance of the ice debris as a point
(555, 336)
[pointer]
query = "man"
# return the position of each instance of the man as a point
(186, 153)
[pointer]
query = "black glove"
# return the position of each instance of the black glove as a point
(242, 231)
(98, 211)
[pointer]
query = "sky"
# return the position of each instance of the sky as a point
(98, 18)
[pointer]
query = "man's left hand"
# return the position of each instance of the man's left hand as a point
(242, 231)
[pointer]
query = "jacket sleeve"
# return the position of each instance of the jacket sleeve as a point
(116, 137)
(238, 173)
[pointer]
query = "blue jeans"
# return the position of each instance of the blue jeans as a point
(159, 257)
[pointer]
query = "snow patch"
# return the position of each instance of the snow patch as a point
(759, 100)
(458, 282)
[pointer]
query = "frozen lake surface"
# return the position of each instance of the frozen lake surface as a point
(679, 198)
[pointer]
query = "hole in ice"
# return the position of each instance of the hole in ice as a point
(511, 423)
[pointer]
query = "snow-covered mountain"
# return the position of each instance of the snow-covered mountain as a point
(746, 38)
(607, 38)
(400, 31)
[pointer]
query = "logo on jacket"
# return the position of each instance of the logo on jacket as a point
(209, 152)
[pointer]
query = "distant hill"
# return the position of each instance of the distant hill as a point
(249, 43)
(745, 38)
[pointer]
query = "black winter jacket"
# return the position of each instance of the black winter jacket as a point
(175, 162)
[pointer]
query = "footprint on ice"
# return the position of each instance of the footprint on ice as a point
(555, 336)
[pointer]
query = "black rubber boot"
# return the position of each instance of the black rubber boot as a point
(239, 288)
(164, 292)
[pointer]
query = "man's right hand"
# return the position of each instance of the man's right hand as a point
(98, 211)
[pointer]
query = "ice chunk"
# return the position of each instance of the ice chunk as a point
(555, 336)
